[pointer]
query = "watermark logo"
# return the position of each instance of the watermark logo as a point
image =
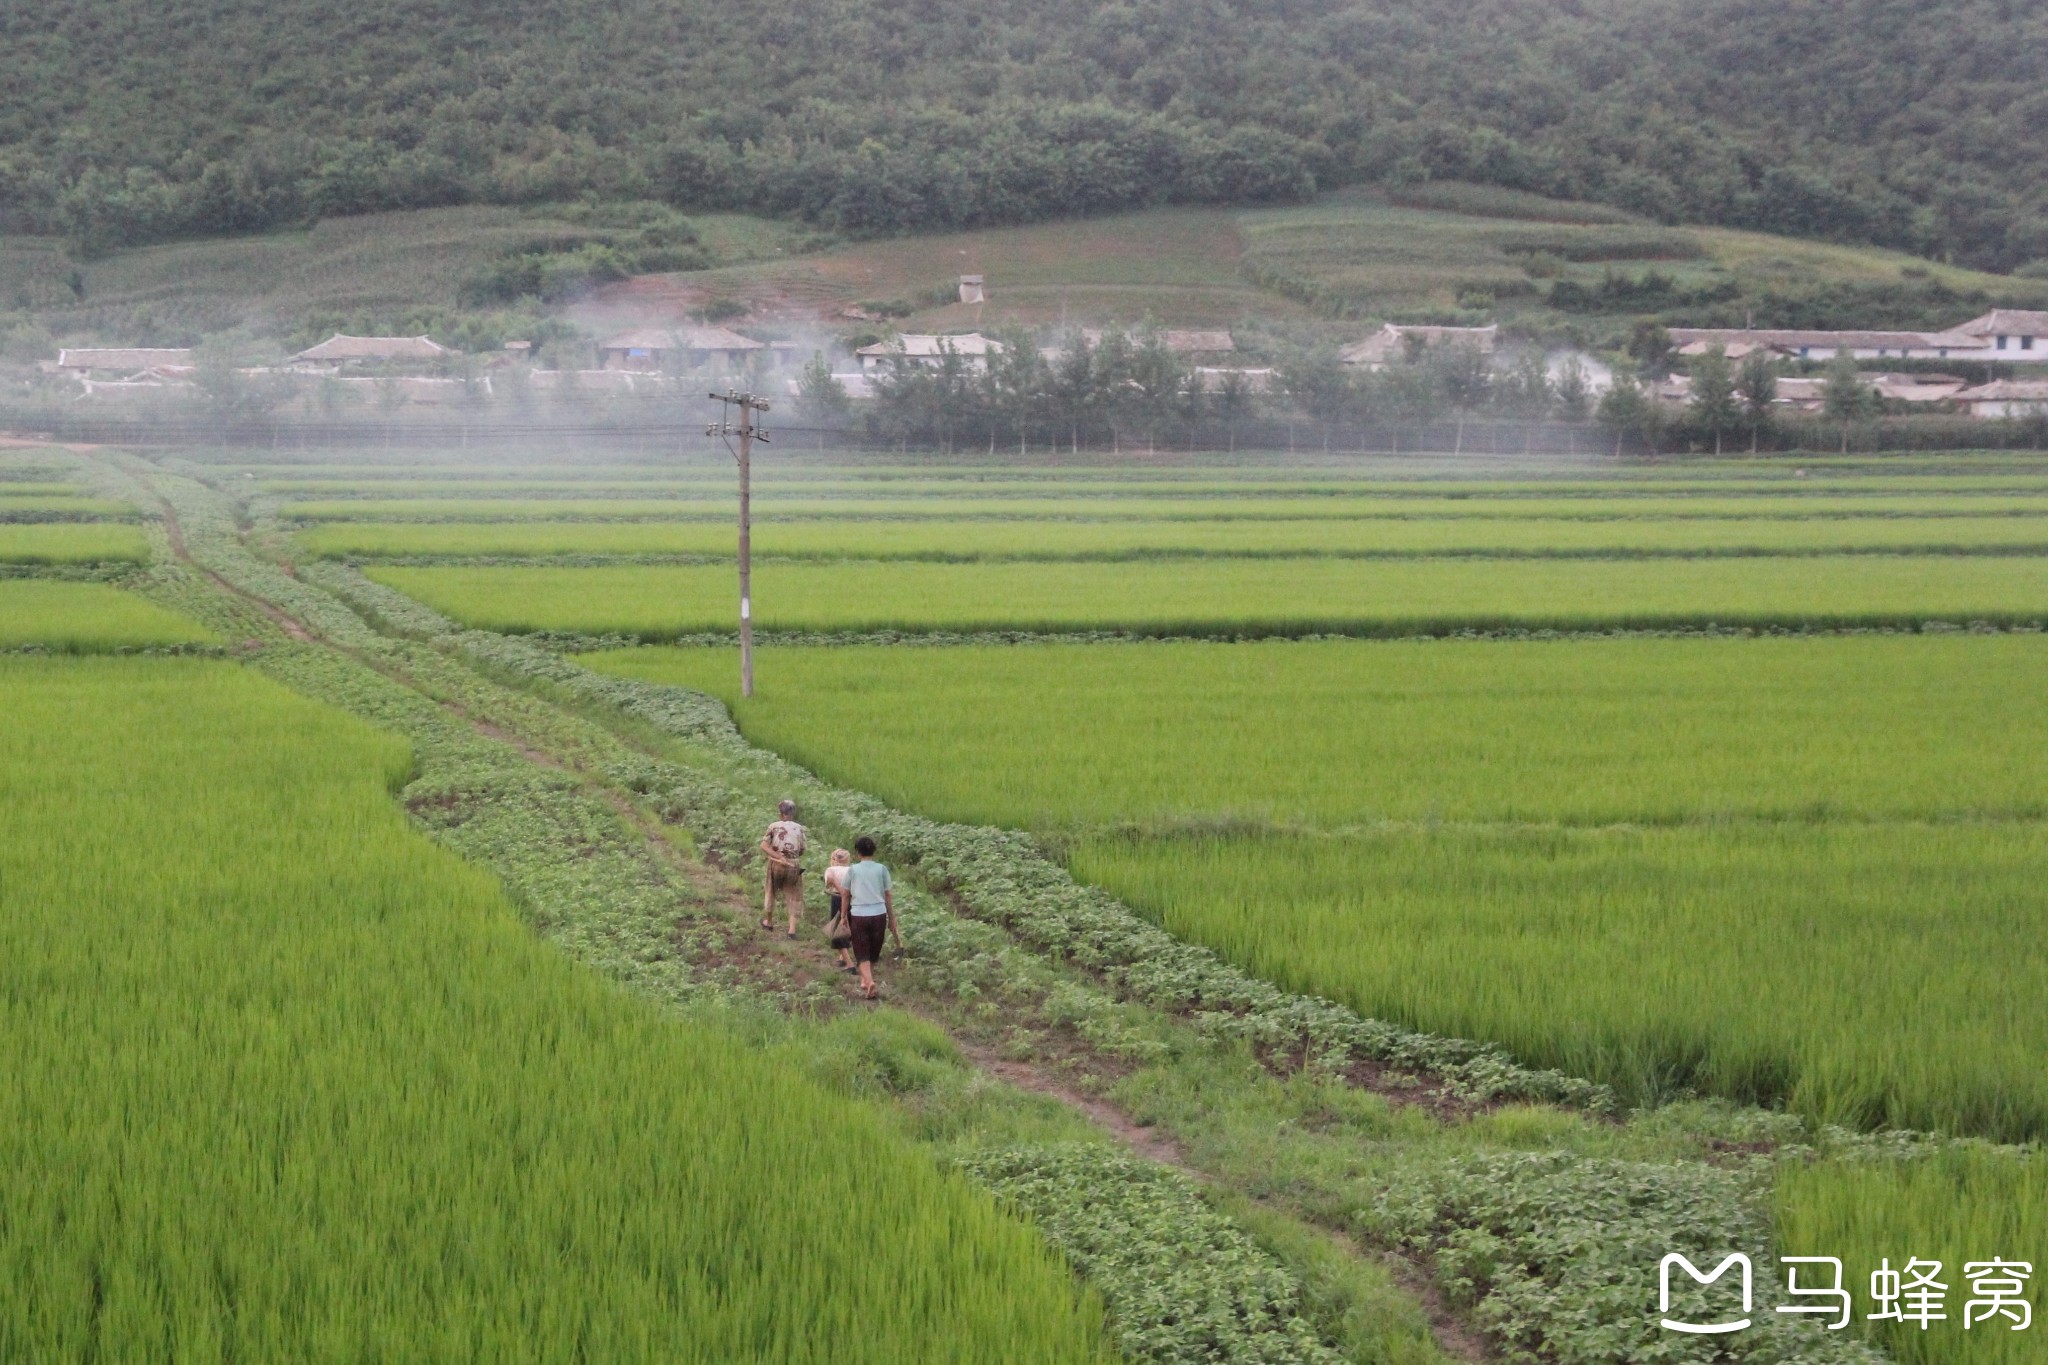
(1835, 1298)
(1996, 1287)
(1703, 1329)
(1913, 1295)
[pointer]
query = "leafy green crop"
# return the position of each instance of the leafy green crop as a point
(1113, 1214)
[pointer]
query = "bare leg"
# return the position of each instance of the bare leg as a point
(768, 898)
(867, 979)
(795, 898)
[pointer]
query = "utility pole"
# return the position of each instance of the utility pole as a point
(748, 433)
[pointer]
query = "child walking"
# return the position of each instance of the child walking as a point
(837, 925)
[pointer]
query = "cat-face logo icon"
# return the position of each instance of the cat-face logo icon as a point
(1702, 1329)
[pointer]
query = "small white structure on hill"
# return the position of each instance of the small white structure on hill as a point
(1397, 341)
(972, 290)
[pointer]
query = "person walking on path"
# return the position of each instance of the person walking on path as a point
(870, 905)
(836, 925)
(784, 845)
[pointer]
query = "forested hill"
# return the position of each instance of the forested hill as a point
(1915, 123)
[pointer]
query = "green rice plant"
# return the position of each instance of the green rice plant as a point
(67, 542)
(647, 508)
(1958, 1205)
(1244, 596)
(1636, 731)
(1223, 505)
(1772, 869)
(282, 1080)
(831, 538)
(85, 617)
(1870, 974)
(57, 507)
(1012, 480)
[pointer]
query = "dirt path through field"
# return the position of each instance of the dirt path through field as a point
(175, 534)
(802, 973)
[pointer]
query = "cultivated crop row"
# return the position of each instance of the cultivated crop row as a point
(1246, 596)
(880, 538)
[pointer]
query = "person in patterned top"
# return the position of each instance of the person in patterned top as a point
(784, 846)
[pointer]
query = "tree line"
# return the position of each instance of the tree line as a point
(1912, 123)
(1130, 390)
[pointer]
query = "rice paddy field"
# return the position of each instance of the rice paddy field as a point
(1058, 539)
(72, 543)
(1221, 504)
(1666, 864)
(1952, 1208)
(284, 1081)
(1805, 872)
(1222, 596)
(1717, 783)
(71, 617)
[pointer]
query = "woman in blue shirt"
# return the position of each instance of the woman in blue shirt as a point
(869, 906)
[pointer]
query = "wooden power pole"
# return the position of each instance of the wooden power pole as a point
(748, 433)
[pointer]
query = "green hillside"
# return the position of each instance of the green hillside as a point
(1448, 252)
(1913, 125)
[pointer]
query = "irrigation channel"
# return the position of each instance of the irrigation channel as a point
(1243, 1174)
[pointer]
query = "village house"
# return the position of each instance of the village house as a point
(1916, 389)
(415, 390)
(596, 383)
(341, 352)
(2007, 398)
(1737, 343)
(1187, 343)
(90, 362)
(2003, 334)
(972, 348)
(1734, 350)
(1807, 393)
(1212, 379)
(1799, 394)
(1397, 341)
(677, 349)
(2011, 334)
